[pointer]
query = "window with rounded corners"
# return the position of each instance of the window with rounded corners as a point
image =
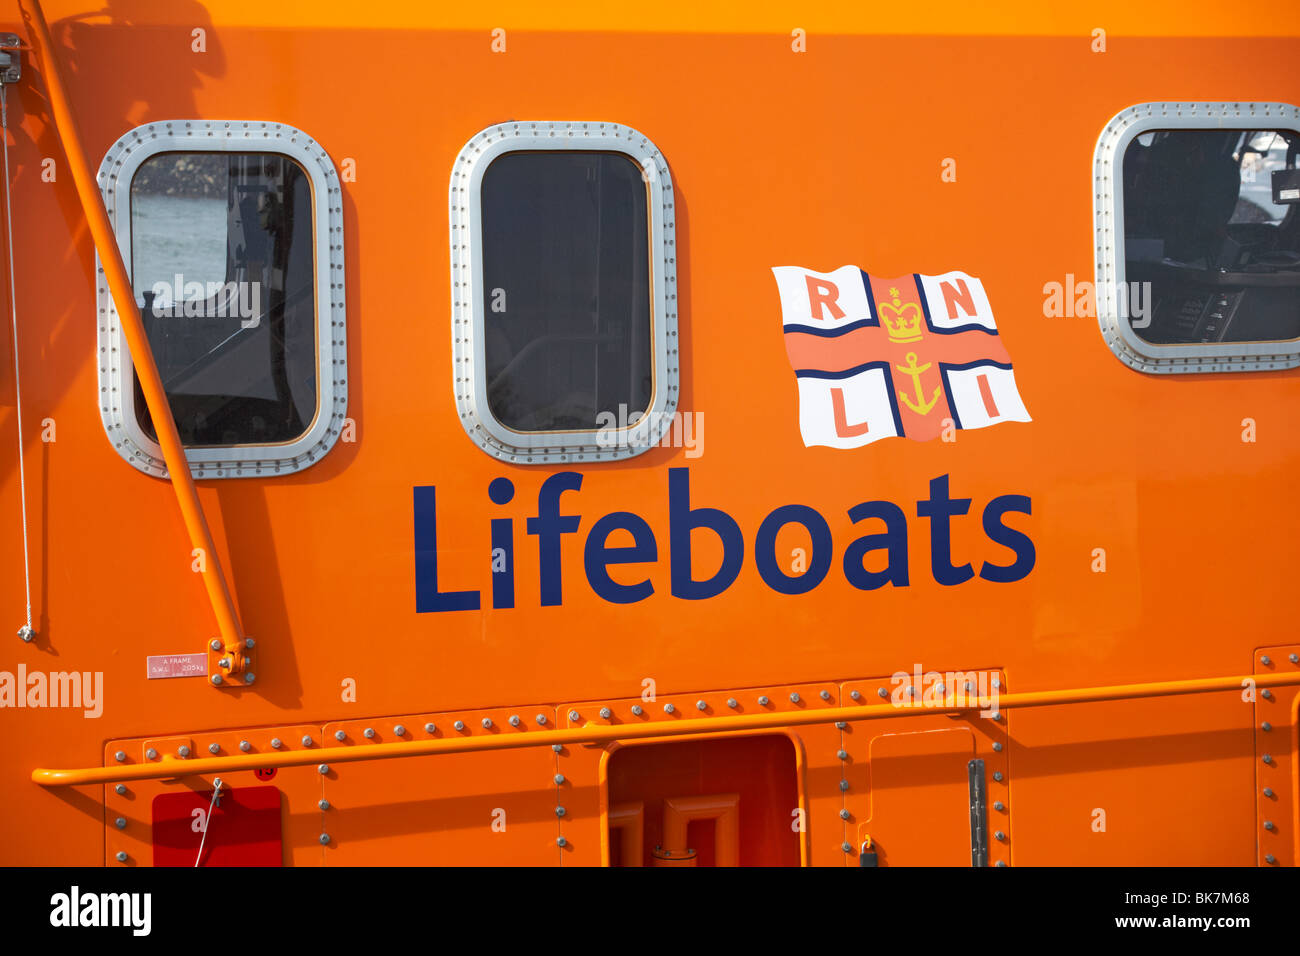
(1197, 236)
(564, 292)
(232, 233)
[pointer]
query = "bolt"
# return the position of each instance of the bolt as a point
(842, 754)
(559, 811)
(636, 710)
(224, 662)
(340, 736)
(459, 725)
(1266, 694)
(999, 835)
(429, 728)
(794, 698)
(324, 769)
(121, 856)
(245, 746)
(120, 789)
(183, 751)
(701, 705)
(939, 688)
(1001, 863)
(215, 644)
(840, 724)
(997, 682)
(606, 713)
(1269, 858)
(882, 693)
(151, 754)
(120, 823)
(275, 743)
(855, 694)
(216, 678)
(996, 715)
(250, 677)
(214, 748)
(669, 708)
(997, 746)
(249, 643)
(844, 814)
(514, 720)
(844, 785)
(574, 716)
(1268, 758)
(911, 691)
(541, 720)
(732, 703)
(487, 723)
(560, 841)
(324, 839)
(997, 775)
(120, 756)
(825, 695)
(1266, 661)
(369, 733)
(1268, 792)
(1266, 726)
(558, 748)
(559, 779)
(763, 701)
(1294, 658)
(1268, 825)
(999, 806)
(306, 740)
(323, 804)
(846, 847)
(399, 730)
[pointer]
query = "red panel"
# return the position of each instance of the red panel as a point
(243, 829)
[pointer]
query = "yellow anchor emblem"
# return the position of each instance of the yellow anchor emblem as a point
(922, 407)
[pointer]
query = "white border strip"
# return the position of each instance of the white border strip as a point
(469, 375)
(1108, 219)
(116, 372)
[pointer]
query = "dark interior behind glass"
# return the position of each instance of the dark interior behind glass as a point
(1210, 221)
(224, 271)
(566, 289)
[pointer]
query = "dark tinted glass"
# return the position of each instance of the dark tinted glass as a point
(224, 273)
(1210, 222)
(566, 289)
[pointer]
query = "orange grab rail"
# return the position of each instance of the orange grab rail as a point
(611, 733)
(155, 397)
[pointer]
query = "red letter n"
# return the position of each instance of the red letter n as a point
(952, 297)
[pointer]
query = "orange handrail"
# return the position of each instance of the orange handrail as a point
(609, 733)
(155, 396)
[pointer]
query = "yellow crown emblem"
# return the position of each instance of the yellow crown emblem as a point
(905, 326)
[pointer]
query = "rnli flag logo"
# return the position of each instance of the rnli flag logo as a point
(876, 358)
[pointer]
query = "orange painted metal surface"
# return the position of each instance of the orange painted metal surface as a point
(789, 158)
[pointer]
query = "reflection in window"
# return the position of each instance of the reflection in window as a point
(223, 269)
(1202, 227)
(566, 289)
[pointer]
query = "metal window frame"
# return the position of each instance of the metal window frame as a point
(116, 370)
(469, 362)
(1108, 222)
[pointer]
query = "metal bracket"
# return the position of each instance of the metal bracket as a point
(979, 814)
(11, 64)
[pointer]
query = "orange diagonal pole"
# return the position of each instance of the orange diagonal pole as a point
(155, 397)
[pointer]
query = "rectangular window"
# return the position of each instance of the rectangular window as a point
(224, 275)
(1200, 225)
(232, 234)
(566, 268)
(565, 301)
(1198, 238)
